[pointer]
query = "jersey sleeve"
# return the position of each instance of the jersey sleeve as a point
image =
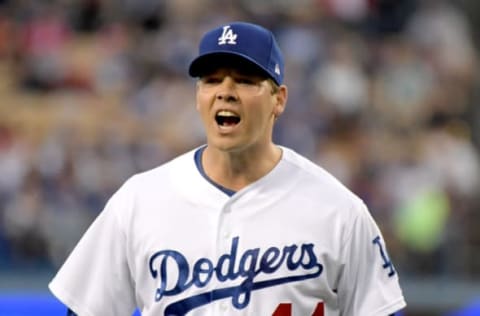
(95, 279)
(369, 283)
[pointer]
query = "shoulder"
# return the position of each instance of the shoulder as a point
(144, 187)
(321, 182)
(161, 175)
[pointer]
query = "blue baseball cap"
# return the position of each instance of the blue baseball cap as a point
(237, 42)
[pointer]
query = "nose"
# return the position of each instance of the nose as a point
(226, 91)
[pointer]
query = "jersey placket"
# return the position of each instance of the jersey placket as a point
(225, 234)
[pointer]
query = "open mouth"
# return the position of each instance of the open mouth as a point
(227, 118)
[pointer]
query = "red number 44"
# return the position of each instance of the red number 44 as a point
(285, 309)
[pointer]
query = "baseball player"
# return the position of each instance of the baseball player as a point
(238, 226)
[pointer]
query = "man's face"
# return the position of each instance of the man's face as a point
(238, 108)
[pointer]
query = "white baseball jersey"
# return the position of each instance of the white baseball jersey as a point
(294, 243)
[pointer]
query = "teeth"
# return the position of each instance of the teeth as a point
(226, 113)
(227, 118)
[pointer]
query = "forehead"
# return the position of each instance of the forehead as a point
(234, 72)
(233, 64)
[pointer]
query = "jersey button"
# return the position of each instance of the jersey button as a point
(227, 209)
(224, 306)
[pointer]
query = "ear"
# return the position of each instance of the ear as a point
(281, 100)
(197, 106)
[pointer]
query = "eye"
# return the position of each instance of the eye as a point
(210, 80)
(246, 80)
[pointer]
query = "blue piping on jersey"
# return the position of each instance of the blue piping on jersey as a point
(198, 163)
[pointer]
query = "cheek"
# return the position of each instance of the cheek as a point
(269, 107)
(260, 113)
(201, 103)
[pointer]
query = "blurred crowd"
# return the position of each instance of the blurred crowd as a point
(382, 93)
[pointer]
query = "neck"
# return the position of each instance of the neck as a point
(236, 170)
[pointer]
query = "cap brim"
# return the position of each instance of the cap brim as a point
(208, 63)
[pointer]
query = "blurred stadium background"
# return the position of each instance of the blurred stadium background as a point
(383, 93)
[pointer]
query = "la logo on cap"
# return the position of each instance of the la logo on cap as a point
(227, 37)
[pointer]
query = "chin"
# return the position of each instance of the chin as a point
(226, 145)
